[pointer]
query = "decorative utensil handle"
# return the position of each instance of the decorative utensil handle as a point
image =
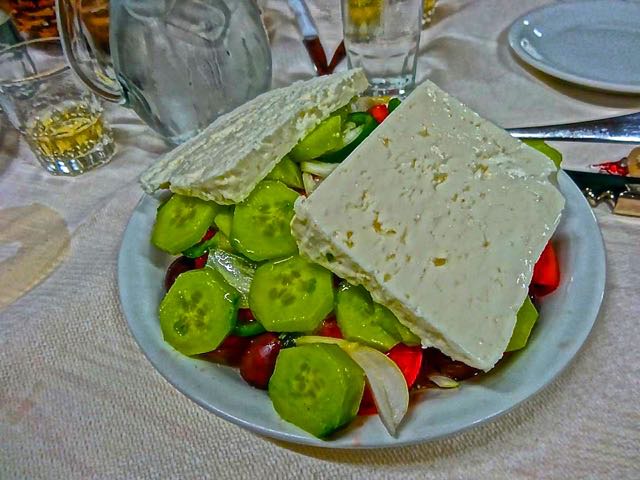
(622, 129)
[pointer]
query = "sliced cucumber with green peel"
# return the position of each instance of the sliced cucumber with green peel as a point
(361, 319)
(527, 317)
(182, 222)
(287, 172)
(316, 387)
(397, 330)
(326, 137)
(291, 295)
(198, 311)
(222, 242)
(224, 219)
(260, 229)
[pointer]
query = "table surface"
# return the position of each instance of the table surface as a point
(79, 400)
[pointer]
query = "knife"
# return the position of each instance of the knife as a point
(622, 194)
(621, 129)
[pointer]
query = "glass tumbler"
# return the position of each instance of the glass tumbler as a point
(61, 120)
(382, 37)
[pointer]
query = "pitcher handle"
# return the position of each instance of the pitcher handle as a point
(94, 74)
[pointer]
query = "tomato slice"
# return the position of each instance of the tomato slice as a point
(367, 404)
(409, 361)
(230, 351)
(330, 328)
(546, 273)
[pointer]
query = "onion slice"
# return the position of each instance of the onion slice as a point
(309, 183)
(388, 386)
(319, 169)
(443, 382)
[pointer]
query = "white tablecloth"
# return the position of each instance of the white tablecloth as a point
(79, 400)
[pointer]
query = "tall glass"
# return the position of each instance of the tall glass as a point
(429, 8)
(61, 120)
(382, 37)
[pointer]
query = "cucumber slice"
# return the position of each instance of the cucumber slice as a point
(316, 387)
(527, 317)
(287, 172)
(260, 228)
(224, 219)
(222, 242)
(397, 330)
(326, 137)
(182, 222)
(291, 295)
(361, 319)
(198, 312)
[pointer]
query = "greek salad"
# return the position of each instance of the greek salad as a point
(239, 294)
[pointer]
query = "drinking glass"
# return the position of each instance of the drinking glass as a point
(382, 37)
(61, 121)
(428, 9)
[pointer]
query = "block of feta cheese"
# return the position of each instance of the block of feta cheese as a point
(225, 161)
(441, 215)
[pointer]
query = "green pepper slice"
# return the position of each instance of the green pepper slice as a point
(248, 329)
(363, 121)
(393, 104)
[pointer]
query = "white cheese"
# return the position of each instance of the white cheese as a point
(441, 215)
(226, 161)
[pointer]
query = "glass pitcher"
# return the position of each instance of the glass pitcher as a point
(178, 64)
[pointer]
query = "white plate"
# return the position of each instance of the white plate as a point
(595, 43)
(567, 317)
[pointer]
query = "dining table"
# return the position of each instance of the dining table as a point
(78, 399)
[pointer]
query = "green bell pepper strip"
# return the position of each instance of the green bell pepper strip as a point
(362, 120)
(201, 248)
(248, 329)
(393, 104)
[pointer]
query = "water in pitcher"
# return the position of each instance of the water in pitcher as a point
(185, 62)
(382, 37)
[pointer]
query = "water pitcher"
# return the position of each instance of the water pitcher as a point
(178, 63)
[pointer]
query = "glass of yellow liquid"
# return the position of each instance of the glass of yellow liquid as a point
(427, 11)
(382, 37)
(61, 121)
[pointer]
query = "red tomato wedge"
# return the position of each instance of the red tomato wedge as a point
(330, 328)
(379, 112)
(367, 405)
(546, 273)
(230, 351)
(201, 261)
(409, 361)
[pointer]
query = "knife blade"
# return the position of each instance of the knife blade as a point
(310, 36)
(621, 129)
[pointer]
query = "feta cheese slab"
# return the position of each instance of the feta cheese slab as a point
(228, 159)
(441, 215)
